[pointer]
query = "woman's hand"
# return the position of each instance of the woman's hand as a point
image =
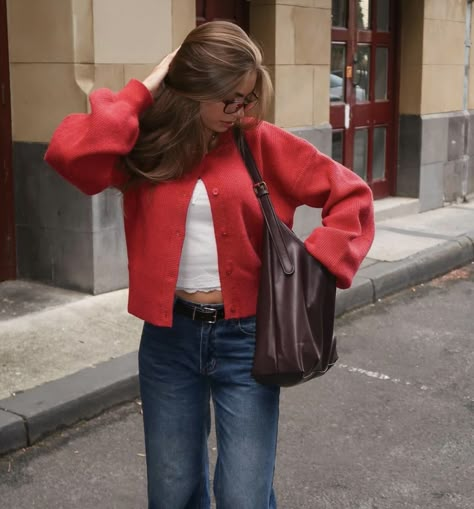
(153, 81)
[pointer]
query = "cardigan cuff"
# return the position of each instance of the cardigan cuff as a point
(136, 94)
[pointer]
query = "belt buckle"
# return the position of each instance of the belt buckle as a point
(214, 317)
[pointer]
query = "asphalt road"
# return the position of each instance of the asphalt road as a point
(391, 427)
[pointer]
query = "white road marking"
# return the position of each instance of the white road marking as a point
(378, 376)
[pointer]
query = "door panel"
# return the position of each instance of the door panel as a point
(362, 91)
(361, 151)
(7, 223)
(379, 152)
(381, 74)
(236, 11)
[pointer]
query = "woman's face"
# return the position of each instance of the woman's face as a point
(212, 113)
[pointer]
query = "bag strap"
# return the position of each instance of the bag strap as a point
(261, 190)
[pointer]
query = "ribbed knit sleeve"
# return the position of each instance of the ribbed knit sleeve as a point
(348, 228)
(85, 148)
(303, 175)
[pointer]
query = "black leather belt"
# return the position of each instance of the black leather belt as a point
(199, 312)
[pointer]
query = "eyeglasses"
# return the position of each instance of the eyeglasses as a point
(247, 104)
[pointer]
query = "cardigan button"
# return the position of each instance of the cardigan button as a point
(215, 191)
(232, 309)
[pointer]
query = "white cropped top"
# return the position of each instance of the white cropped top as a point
(198, 268)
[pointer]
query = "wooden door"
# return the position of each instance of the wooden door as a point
(7, 223)
(236, 11)
(363, 90)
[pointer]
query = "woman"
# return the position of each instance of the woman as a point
(194, 232)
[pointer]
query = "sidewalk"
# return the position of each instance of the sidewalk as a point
(67, 356)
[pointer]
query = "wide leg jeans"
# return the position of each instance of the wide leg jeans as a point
(182, 369)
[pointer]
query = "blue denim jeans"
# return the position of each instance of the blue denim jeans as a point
(181, 369)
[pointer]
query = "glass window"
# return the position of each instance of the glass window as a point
(363, 14)
(383, 15)
(338, 146)
(339, 13)
(337, 78)
(380, 149)
(361, 139)
(381, 73)
(362, 73)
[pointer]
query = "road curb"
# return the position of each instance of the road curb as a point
(29, 416)
(12, 432)
(385, 278)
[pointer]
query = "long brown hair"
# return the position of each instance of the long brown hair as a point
(210, 63)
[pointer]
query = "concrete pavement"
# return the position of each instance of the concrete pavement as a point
(67, 356)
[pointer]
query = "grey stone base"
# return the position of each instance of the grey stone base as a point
(64, 237)
(320, 137)
(75, 241)
(435, 160)
(307, 218)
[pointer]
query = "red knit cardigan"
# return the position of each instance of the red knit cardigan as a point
(85, 148)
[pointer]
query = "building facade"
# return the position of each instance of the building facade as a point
(384, 86)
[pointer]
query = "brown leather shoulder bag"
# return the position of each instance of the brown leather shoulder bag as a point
(296, 300)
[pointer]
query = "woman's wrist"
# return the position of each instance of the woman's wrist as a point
(152, 88)
(157, 75)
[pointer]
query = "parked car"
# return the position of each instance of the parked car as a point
(336, 89)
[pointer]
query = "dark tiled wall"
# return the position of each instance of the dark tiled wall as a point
(435, 158)
(470, 153)
(64, 237)
(409, 156)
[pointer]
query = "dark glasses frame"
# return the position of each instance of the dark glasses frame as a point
(237, 104)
